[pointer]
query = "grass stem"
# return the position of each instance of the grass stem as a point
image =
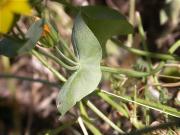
(102, 116)
(44, 62)
(51, 56)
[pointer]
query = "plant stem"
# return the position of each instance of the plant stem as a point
(172, 77)
(134, 117)
(102, 116)
(176, 84)
(82, 109)
(131, 20)
(131, 11)
(155, 106)
(82, 125)
(51, 56)
(145, 53)
(129, 72)
(54, 71)
(63, 43)
(22, 78)
(174, 47)
(87, 120)
(113, 103)
(172, 65)
(64, 57)
(143, 38)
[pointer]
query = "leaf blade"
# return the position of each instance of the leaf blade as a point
(33, 35)
(105, 22)
(12, 47)
(87, 77)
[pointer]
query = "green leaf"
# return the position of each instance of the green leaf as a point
(87, 77)
(33, 35)
(105, 22)
(11, 47)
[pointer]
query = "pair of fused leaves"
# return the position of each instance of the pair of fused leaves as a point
(93, 27)
(11, 47)
(87, 77)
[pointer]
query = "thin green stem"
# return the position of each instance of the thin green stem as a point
(51, 56)
(131, 11)
(22, 78)
(82, 109)
(64, 57)
(174, 47)
(141, 31)
(134, 117)
(102, 116)
(145, 46)
(113, 103)
(64, 44)
(143, 38)
(44, 62)
(172, 77)
(127, 72)
(155, 78)
(155, 106)
(172, 65)
(87, 120)
(135, 105)
(131, 73)
(131, 20)
(145, 53)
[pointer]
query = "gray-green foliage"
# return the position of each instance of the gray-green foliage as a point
(11, 47)
(87, 77)
(105, 22)
(33, 35)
